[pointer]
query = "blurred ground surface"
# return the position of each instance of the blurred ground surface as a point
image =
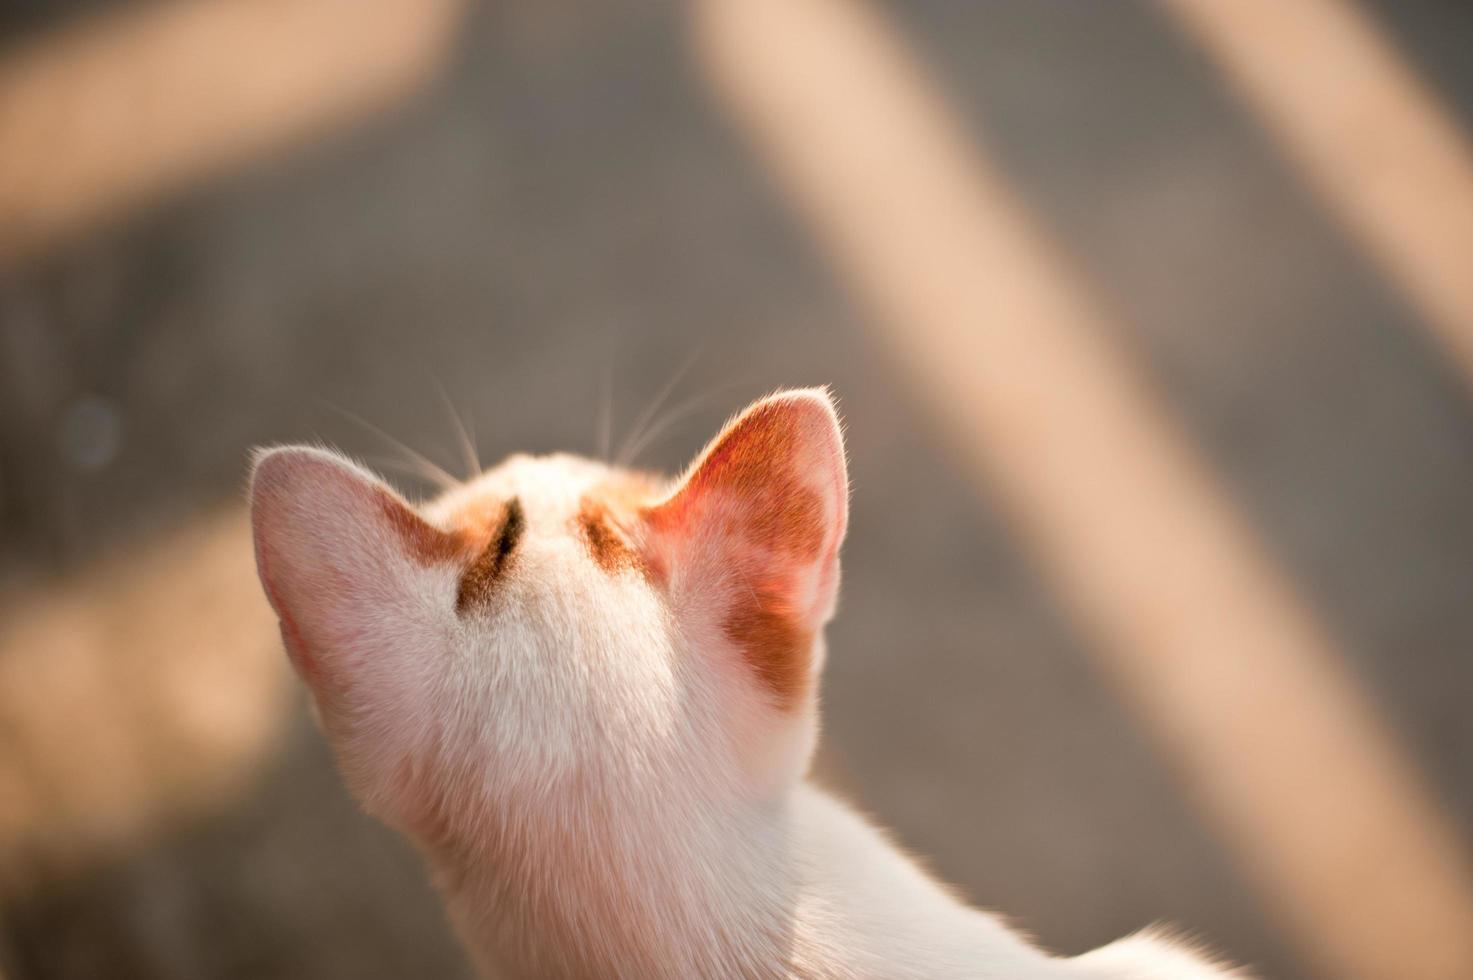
(565, 209)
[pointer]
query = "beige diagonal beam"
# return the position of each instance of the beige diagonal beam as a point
(1366, 134)
(1208, 643)
(137, 694)
(119, 110)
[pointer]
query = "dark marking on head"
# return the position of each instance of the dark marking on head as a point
(605, 543)
(480, 579)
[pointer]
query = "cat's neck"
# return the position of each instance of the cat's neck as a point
(801, 889)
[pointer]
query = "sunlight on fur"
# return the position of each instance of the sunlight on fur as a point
(589, 697)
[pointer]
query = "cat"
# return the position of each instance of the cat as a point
(589, 697)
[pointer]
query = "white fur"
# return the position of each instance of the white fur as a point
(598, 787)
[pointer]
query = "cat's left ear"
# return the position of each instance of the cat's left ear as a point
(339, 554)
(749, 542)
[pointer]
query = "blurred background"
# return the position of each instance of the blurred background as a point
(1152, 325)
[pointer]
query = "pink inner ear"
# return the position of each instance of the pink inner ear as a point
(758, 522)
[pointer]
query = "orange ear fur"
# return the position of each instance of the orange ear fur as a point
(755, 527)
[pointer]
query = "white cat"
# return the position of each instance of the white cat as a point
(590, 699)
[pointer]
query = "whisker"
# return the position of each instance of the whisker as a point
(681, 411)
(468, 452)
(435, 474)
(606, 411)
(654, 406)
(415, 468)
(470, 424)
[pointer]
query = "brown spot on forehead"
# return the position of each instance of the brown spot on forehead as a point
(605, 542)
(474, 534)
(608, 513)
(479, 580)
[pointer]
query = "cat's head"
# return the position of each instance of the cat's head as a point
(561, 632)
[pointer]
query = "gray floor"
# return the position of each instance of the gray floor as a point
(566, 209)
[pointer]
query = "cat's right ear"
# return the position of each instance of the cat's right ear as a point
(750, 537)
(337, 552)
